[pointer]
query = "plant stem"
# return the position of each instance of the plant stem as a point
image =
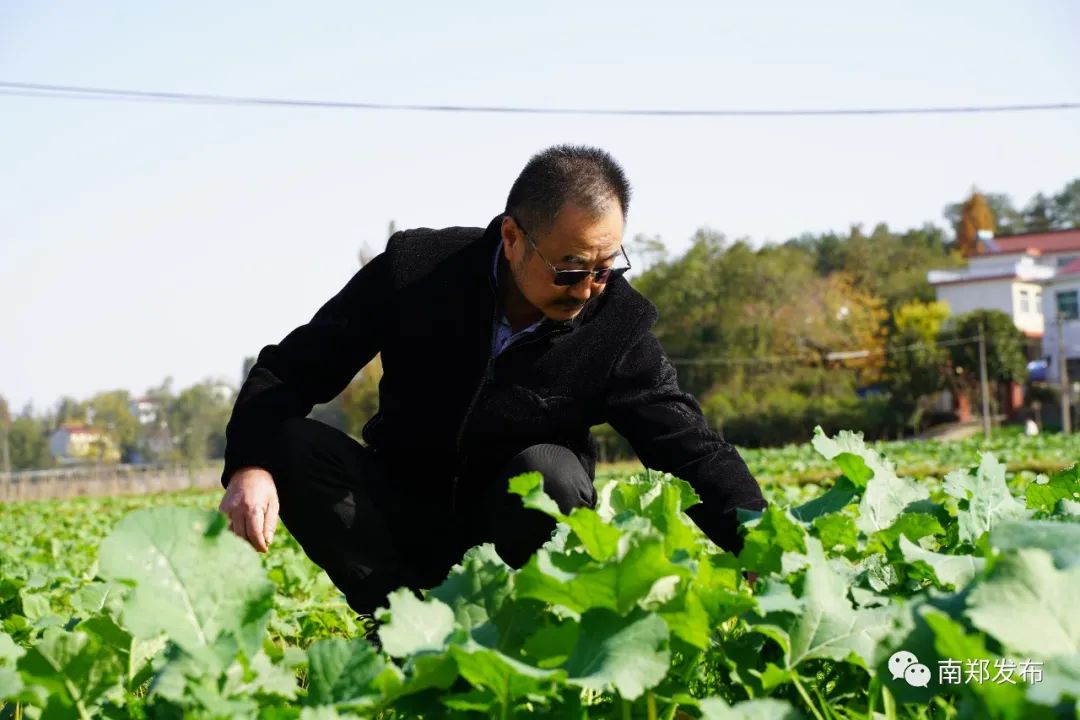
(806, 697)
(871, 700)
(625, 708)
(650, 703)
(888, 703)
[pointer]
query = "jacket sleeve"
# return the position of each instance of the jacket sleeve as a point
(669, 433)
(311, 365)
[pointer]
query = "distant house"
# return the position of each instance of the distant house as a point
(1025, 276)
(74, 443)
(1006, 281)
(145, 410)
(155, 438)
(1062, 295)
(1009, 274)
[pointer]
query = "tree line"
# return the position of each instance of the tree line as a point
(185, 426)
(834, 329)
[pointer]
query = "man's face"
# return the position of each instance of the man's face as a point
(579, 240)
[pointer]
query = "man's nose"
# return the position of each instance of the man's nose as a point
(581, 291)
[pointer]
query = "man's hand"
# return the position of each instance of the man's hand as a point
(251, 502)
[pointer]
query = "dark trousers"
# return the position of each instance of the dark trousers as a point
(373, 533)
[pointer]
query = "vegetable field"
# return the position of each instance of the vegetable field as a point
(899, 581)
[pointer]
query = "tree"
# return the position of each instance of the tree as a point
(1039, 214)
(1005, 358)
(29, 445)
(830, 316)
(5, 429)
(68, 410)
(917, 365)
(975, 216)
(1067, 206)
(112, 416)
(198, 417)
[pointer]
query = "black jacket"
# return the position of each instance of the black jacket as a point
(449, 415)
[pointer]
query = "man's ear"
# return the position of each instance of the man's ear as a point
(513, 239)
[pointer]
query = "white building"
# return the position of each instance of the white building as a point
(1007, 281)
(1027, 277)
(1062, 295)
(1009, 274)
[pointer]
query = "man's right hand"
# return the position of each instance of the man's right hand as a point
(251, 503)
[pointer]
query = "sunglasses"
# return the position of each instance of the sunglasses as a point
(565, 278)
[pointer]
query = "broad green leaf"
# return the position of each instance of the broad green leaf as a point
(828, 627)
(885, 498)
(848, 450)
(836, 531)
(97, 597)
(11, 684)
(348, 673)
(475, 588)
(552, 644)
(1060, 539)
(597, 536)
(765, 544)
(628, 653)
(687, 618)
(911, 525)
(954, 570)
(1060, 680)
(579, 583)
(984, 498)
(508, 679)
(777, 597)
(319, 713)
(599, 539)
(952, 642)
(413, 625)
(1029, 605)
(194, 580)
(75, 669)
(530, 487)
(839, 496)
(666, 510)
(1062, 485)
(134, 654)
(9, 651)
(715, 708)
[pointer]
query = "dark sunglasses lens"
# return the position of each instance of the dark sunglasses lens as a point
(570, 277)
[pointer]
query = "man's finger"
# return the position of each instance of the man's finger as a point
(254, 531)
(270, 523)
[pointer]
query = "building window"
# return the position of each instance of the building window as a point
(1025, 305)
(1067, 305)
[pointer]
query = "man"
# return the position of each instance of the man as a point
(500, 347)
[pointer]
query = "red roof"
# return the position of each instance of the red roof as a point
(1071, 268)
(1046, 242)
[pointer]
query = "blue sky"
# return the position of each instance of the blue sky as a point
(144, 240)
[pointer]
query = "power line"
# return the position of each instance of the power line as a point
(74, 92)
(839, 356)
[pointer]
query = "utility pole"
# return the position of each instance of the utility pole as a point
(1063, 374)
(983, 384)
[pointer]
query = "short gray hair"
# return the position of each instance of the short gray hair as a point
(585, 176)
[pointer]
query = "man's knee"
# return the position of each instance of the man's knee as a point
(565, 479)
